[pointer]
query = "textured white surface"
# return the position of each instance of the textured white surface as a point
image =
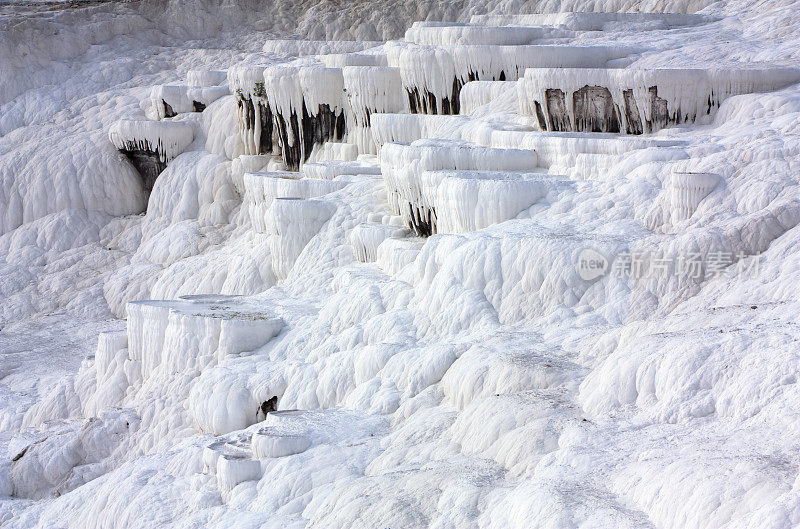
(468, 379)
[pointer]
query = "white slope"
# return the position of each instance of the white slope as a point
(264, 348)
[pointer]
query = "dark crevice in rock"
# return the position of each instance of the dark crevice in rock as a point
(423, 221)
(248, 116)
(198, 106)
(326, 125)
(148, 163)
(289, 140)
(268, 406)
(265, 140)
(19, 456)
(427, 103)
(168, 111)
(455, 101)
(413, 100)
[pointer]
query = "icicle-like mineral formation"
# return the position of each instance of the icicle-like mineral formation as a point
(308, 107)
(261, 189)
(593, 21)
(634, 101)
(433, 75)
(150, 145)
(255, 115)
(687, 190)
(403, 166)
(365, 239)
(371, 89)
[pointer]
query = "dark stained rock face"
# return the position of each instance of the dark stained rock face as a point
(594, 110)
(148, 163)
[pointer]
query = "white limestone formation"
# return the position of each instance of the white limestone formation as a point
(370, 90)
(295, 48)
(269, 443)
(261, 189)
(439, 35)
(340, 60)
(394, 255)
(464, 201)
(634, 101)
(475, 94)
(193, 333)
(376, 286)
(289, 432)
(334, 151)
(365, 239)
(405, 128)
(403, 166)
(292, 222)
(206, 78)
(234, 469)
(687, 190)
(562, 148)
(433, 75)
(171, 100)
(328, 170)
(595, 21)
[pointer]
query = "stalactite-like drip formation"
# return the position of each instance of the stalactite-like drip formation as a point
(592, 21)
(150, 145)
(323, 107)
(686, 191)
(404, 167)
(433, 76)
(262, 188)
(405, 128)
(256, 124)
(307, 105)
(256, 121)
(634, 101)
(365, 239)
(370, 89)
